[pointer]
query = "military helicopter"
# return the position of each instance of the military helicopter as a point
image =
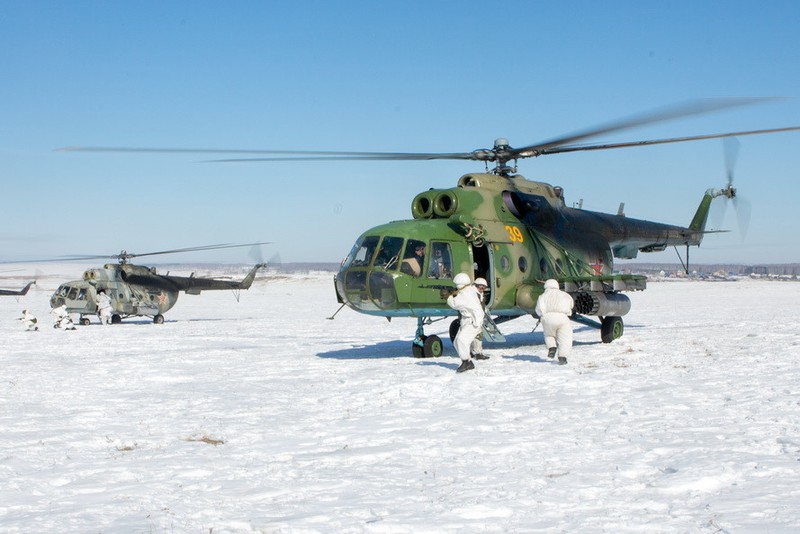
(511, 231)
(136, 290)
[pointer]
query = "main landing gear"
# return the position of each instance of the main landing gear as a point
(611, 328)
(425, 346)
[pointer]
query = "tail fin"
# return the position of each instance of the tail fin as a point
(698, 223)
(26, 288)
(13, 292)
(248, 280)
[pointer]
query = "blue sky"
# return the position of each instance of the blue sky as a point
(377, 76)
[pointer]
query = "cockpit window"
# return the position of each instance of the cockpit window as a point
(73, 293)
(82, 294)
(441, 265)
(389, 253)
(413, 258)
(362, 252)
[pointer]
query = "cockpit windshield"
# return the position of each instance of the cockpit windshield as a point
(390, 253)
(362, 252)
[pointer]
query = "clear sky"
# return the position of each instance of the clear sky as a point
(416, 76)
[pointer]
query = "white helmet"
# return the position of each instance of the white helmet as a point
(461, 280)
(551, 284)
(481, 282)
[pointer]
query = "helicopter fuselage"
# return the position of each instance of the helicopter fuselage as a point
(514, 233)
(127, 299)
(136, 290)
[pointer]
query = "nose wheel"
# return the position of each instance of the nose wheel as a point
(425, 346)
(431, 347)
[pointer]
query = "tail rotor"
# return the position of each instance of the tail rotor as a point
(741, 206)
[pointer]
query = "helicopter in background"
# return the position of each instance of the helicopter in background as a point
(513, 232)
(137, 290)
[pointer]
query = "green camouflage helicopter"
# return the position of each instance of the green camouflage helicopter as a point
(136, 290)
(513, 232)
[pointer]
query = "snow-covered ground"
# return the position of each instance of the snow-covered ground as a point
(264, 416)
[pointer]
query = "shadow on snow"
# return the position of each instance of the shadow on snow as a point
(402, 349)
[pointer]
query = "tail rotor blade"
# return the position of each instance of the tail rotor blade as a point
(731, 148)
(743, 210)
(717, 212)
(275, 261)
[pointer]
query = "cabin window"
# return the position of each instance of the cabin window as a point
(543, 266)
(505, 264)
(523, 265)
(413, 258)
(441, 264)
(389, 253)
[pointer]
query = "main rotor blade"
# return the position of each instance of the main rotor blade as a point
(553, 146)
(125, 255)
(384, 157)
(190, 249)
(695, 107)
(576, 148)
(291, 155)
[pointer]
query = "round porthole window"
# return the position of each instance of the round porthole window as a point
(523, 265)
(505, 264)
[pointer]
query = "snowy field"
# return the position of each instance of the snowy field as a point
(264, 416)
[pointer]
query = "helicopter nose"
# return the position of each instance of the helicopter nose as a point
(365, 290)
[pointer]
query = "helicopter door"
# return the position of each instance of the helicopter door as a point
(482, 267)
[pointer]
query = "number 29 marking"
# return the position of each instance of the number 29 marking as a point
(514, 234)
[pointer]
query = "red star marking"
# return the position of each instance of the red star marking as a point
(162, 298)
(598, 267)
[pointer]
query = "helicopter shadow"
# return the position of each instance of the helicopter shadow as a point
(384, 350)
(401, 349)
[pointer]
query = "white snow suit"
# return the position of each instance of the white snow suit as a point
(476, 347)
(29, 320)
(467, 301)
(554, 308)
(62, 318)
(104, 309)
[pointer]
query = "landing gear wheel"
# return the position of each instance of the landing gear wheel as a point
(611, 328)
(158, 319)
(433, 347)
(116, 319)
(454, 326)
(84, 321)
(416, 350)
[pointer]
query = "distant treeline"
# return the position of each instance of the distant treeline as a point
(778, 269)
